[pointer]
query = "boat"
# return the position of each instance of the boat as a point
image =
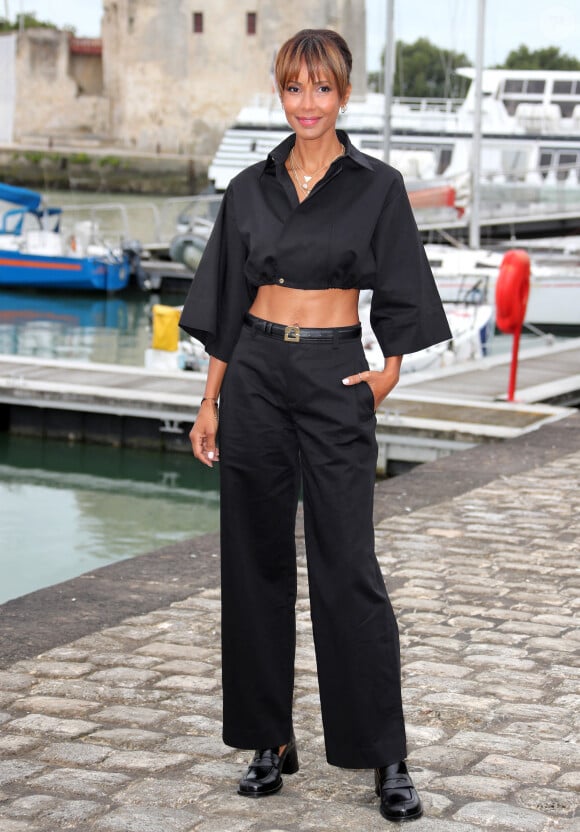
(554, 299)
(471, 320)
(36, 253)
(530, 149)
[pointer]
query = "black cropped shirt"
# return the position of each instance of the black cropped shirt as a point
(355, 230)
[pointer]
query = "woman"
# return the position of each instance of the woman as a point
(275, 301)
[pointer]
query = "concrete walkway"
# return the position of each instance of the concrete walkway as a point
(110, 701)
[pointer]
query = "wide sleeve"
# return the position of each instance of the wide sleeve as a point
(406, 311)
(219, 295)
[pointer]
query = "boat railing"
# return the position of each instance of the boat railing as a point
(270, 101)
(185, 213)
(149, 223)
(473, 290)
(106, 223)
(429, 105)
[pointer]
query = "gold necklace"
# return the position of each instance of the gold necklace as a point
(308, 177)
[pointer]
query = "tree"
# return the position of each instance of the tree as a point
(29, 21)
(423, 70)
(549, 57)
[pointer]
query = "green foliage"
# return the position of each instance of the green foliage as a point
(423, 70)
(34, 156)
(110, 162)
(79, 158)
(30, 21)
(549, 57)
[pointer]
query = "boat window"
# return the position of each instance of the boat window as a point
(535, 86)
(545, 162)
(444, 160)
(563, 87)
(511, 103)
(566, 161)
(435, 264)
(511, 85)
(566, 108)
(577, 88)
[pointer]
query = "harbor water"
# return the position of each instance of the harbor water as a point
(66, 509)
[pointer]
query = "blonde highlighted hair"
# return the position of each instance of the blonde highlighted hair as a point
(318, 49)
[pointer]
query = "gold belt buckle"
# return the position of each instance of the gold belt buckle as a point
(292, 334)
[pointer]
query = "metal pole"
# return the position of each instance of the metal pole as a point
(388, 78)
(474, 237)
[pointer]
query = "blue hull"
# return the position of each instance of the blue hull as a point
(37, 271)
(18, 309)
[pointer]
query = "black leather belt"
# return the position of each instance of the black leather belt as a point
(296, 334)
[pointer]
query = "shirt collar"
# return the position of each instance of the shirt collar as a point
(280, 153)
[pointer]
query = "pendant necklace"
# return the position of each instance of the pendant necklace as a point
(309, 176)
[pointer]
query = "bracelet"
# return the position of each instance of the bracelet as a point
(209, 399)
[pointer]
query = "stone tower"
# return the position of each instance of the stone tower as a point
(177, 72)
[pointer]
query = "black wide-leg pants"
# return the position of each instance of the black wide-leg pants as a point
(286, 419)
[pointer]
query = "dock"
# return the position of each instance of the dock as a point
(431, 414)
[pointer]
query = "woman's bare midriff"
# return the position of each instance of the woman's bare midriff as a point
(307, 307)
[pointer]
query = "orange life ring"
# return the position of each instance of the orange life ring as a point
(512, 290)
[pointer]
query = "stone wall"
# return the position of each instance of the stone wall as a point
(61, 169)
(49, 101)
(160, 86)
(175, 89)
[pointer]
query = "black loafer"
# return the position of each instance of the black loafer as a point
(399, 798)
(263, 775)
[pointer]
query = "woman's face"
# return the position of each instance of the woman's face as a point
(312, 106)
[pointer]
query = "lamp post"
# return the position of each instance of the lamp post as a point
(388, 78)
(474, 235)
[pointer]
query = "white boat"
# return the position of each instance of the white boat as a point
(530, 135)
(471, 321)
(554, 300)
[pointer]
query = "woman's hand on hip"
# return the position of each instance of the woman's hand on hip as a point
(204, 432)
(381, 383)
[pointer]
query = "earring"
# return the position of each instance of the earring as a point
(343, 109)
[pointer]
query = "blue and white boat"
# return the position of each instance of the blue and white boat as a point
(35, 253)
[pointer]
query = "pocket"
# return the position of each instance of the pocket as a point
(371, 395)
(366, 396)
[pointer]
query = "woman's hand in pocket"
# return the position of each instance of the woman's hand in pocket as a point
(381, 383)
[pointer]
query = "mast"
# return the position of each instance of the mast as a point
(474, 235)
(388, 78)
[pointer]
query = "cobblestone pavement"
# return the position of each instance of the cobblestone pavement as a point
(119, 731)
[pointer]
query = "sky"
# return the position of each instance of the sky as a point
(447, 23)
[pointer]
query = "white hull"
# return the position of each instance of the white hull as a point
(554, 299)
